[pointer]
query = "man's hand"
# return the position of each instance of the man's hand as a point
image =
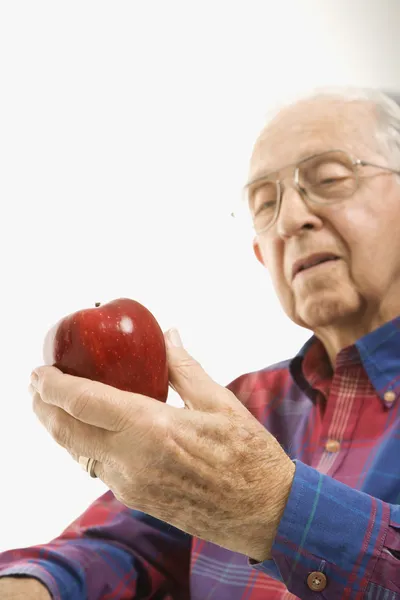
(22, 588)
(212, 470)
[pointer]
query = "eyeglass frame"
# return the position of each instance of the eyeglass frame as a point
(355, 162)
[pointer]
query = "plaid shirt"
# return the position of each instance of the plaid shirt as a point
(340, 533)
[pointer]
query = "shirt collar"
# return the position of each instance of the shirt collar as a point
(378, 352)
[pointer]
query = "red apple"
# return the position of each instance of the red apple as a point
(119, 343)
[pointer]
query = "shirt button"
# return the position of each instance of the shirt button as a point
(332, 446)
(316, 581)
(390, 397)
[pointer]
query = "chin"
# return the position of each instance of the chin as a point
(326, 308)
(323, 314)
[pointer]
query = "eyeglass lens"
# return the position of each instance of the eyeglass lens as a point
(324, 179)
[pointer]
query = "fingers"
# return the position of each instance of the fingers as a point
(196, 388)
(80, 439)
(91, 402)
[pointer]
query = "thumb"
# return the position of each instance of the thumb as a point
(188, 378)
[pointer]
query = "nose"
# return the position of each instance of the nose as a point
(295, 214)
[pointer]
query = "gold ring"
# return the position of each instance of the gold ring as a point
(88, 465)
(91, 467)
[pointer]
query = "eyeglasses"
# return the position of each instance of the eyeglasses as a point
(325, 178)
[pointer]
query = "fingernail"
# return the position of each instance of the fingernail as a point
(174, 338)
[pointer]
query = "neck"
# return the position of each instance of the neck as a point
(337, 336)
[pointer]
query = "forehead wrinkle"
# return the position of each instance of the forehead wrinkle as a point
(310, 127)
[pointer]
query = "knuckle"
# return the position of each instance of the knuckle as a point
(162, 422)
(189, 361)
(187, 367)
(121, 422)
(80, 401)
(154, 431)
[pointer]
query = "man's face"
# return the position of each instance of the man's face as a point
(362, 231)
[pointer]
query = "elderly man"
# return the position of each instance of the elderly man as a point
(287, 482)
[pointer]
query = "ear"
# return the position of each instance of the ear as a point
(257, 252)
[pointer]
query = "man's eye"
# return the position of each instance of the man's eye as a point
(329, 180)
(263, 198)
(265, 207)
(336, 180)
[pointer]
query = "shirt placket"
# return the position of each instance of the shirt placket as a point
(340, 418)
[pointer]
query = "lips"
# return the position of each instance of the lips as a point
(311, 261)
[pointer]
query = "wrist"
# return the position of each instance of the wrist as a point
(271, 514)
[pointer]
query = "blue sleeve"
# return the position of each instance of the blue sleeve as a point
(110, 552)
(349, 538)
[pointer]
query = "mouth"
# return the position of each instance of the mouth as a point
(314, 260)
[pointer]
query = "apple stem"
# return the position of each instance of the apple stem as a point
(97, 304)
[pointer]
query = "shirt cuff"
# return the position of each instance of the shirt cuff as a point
(329, 528)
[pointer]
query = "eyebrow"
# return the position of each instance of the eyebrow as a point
(304, 156)
(260, 177)
(265, 174)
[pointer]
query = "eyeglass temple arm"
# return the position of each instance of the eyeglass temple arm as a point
(364, 163)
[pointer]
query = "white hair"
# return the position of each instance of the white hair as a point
(387, 107)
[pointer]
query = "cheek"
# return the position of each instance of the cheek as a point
(371, 242)
(373, 261)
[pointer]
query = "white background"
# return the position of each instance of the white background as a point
(125, 131)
